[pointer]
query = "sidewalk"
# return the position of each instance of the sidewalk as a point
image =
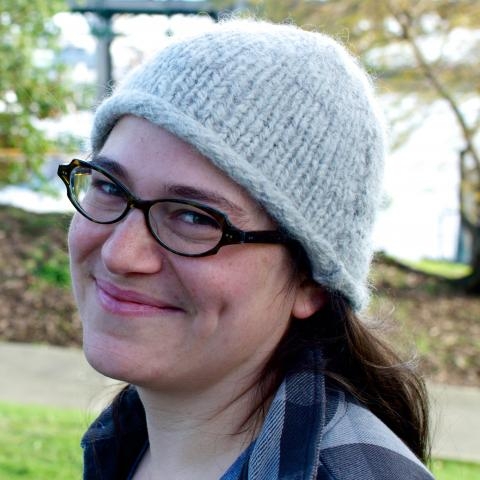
(455, 422)
(44, 375)
(61, 377)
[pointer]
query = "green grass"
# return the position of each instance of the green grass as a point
(450, 470)
(40, 443)
(43, 443)
(441, 268)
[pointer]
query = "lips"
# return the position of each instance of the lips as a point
(129, 302)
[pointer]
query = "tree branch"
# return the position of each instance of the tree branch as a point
(405, 21)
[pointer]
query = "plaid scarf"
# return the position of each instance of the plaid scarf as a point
(311, 432)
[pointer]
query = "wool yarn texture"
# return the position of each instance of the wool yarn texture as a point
(287, 114)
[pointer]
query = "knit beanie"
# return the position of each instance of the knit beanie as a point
(287, 114)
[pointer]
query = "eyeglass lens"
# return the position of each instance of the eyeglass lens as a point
(180, 226)
(96, 195)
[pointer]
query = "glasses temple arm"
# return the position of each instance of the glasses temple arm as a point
(261, 236)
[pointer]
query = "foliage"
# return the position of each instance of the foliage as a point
(412, 46)
(33, 84)
(40, 443)
(49, 265)
(35, 299)
(44, 257)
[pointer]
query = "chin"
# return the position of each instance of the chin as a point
(120, 360)
(109, 357)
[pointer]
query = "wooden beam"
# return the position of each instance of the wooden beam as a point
(111, 7)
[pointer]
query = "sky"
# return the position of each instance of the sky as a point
(420, 218)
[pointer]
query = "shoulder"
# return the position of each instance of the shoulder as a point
(125, 412)
(115, 439)
(357, 445)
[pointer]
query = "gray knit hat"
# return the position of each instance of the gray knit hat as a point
(287, 114)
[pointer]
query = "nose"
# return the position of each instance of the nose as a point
(130, 247)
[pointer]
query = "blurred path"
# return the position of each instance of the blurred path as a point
(61, 377)
(45, 375)
(455, 418)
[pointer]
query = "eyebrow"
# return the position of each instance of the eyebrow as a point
(112, 167)
(175, 190)
(207, 196)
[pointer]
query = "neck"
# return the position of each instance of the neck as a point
(190, 434)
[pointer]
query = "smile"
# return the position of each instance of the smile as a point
(128, 302)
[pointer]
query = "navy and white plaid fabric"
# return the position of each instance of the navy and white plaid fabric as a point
(310, 432)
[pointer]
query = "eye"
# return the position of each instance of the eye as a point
(103, 185)
(181, 226)
(96, 195)
(195, 217)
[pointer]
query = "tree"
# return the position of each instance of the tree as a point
(33, 85)
(377, 32)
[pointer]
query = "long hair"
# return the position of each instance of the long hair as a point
(356, 359)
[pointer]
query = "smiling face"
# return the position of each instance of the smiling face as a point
(163, 321)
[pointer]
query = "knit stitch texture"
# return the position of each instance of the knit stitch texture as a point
(287, 114)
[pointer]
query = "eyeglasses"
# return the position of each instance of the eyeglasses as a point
(183, 227)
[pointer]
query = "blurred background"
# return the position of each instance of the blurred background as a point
(59, 58)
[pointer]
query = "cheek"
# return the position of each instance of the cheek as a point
(84, 245)
(76, 235)
(240, 288)
(84, 237)
(78, 245)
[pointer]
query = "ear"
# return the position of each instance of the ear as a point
(310, 298)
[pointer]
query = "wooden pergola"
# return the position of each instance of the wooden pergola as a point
(104, 10)
(156, 7)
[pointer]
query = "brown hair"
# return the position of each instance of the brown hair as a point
(358, 361)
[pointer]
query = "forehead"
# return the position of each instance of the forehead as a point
(156, 161)
(151, 154)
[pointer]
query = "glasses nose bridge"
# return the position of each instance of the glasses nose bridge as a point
(138, 203)
(145, 206)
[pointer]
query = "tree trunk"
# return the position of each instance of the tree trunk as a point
(469, 157)
(469, 193)
(471, 283)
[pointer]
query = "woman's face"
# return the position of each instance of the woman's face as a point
(163, 321)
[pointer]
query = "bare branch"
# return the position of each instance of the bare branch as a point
(405, 21)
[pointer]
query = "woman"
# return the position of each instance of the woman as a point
(219, 263)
